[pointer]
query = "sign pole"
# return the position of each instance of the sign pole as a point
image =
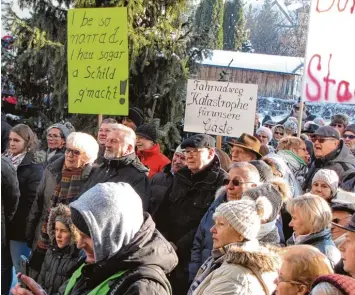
(99, 120)
(219, 142)
(300, 113)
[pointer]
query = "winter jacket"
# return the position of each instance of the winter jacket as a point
(340, 160)
(203, 242)
(125, 169)
(10, 194)
(296, 164)
(53, 155)
(29, 174)
(144, 262)
(159, 185)
(153, 159)
(323, 242)
(5, 133)
(348, 183)
(234, 271)
(180, 214)
(59, 264)
(43, 202)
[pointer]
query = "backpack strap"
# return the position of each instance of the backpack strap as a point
(259, 277)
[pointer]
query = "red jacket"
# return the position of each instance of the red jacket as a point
(153, 159)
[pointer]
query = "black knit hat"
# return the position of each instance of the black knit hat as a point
(136, 115)
(199, 141)
(79, 221)
(147, 131)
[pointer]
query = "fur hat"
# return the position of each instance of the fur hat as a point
(340, 119)
(265, 171)
(147, 131)
(266, 131)
(330, 177)
(291, 125)
(245, 215)
(62, 214)
(276, 192)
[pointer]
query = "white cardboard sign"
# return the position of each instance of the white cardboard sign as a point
(220, 108)
(330, 61)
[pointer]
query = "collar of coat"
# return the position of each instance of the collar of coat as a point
(125, 161)
(253, 255)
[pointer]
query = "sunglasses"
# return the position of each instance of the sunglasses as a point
(337, 125)
(73, 152)
(278, 133)
(235, 182)
(345, 136)
(316, 138)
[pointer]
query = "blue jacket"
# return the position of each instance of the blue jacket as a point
(203, 243)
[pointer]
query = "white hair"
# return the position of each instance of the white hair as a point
(325, 288)
(85, 143)
(126, 134)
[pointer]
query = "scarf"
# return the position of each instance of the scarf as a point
(265, 229)
(65, 192)
(15, 160)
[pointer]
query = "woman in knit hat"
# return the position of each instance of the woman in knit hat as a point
(148, 150)
(333, 284)
(311, 222)
(325, 184)
(290, 128)
(278, 132)
(239, 264)
(264, 135)
(62, 256)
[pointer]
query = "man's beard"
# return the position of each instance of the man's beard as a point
(110, 155)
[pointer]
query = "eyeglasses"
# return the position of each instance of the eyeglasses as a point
(75, 153)
(337, 125)
(263, 136)
(278, 133)
(54, 136)
(235, 182)
(345, 136)
(316, 138)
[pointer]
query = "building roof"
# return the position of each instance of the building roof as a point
(255, 61)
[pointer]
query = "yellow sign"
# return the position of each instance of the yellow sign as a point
(98, 61)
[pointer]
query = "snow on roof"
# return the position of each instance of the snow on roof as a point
(255, 61)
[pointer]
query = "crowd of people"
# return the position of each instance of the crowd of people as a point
(114, 215)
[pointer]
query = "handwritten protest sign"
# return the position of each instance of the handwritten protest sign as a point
(98, 61)
(330, 63)
(220, 108)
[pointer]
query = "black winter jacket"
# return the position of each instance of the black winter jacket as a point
(159, 185)
(10, 194)
(340, 160)
(58, 266)
(147, 260)
(187, 201)
(125, 169)
(29, 174)
(5, 133)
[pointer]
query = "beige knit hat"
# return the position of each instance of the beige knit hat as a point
(245, 215)
(330, 177)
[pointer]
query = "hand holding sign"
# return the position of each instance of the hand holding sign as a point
(98, 61)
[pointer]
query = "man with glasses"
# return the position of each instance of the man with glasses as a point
(339, 122)
(330, 153)
(192, 192)
(105, 128)
(349, 138)
(342, 213)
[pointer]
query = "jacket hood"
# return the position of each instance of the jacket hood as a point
(149, 247)
(37, 157)
(252, 255)
(125, 161)
(63, 212)
(220, 192)
(113, 213)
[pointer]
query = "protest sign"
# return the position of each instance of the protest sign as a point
(98, 61)
(220, 108)
(330, 63)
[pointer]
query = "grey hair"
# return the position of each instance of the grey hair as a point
(253, 174)
(125, 133)
(85, 143)
(325, 288)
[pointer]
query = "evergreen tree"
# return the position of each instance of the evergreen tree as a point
(162, 51)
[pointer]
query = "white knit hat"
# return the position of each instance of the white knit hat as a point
(330, 177)
(266, 131)
(244, 215)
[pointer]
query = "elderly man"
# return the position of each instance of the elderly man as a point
(342, 213)
(121, 163)
(161, 181)
(347, 247)
(339, 122)
(330, 153)
(242, 176)
(245, 148)
(125, 254)
(105, 128)
(191, 194)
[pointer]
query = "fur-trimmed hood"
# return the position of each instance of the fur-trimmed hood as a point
(221, 191)
(252, 255)
(64, 212)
